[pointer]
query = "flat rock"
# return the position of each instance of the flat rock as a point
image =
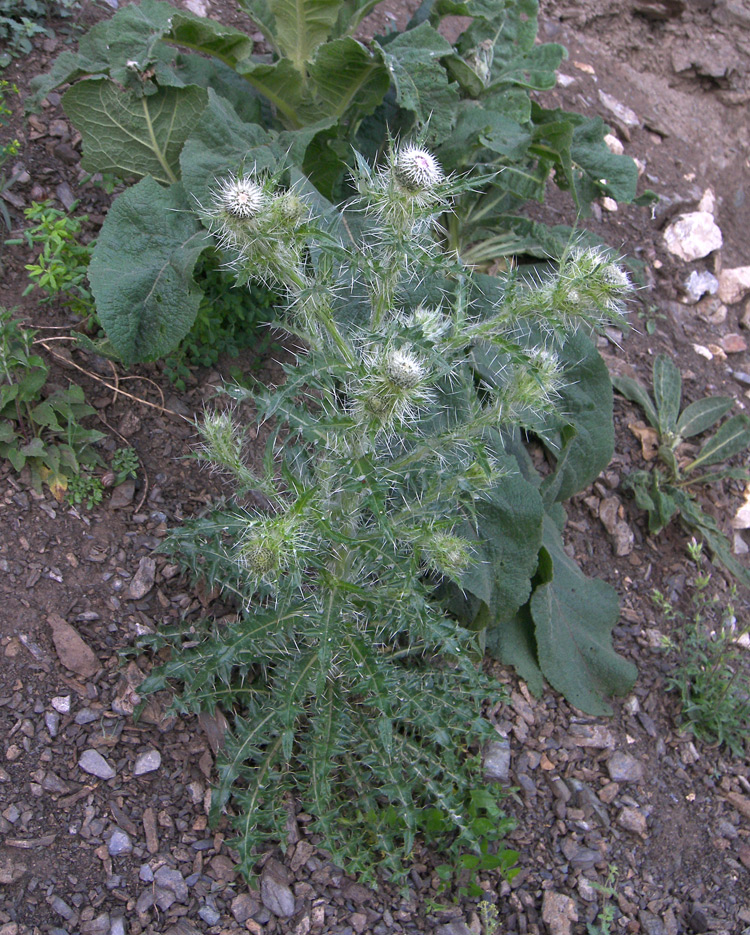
(633, 819)
(119, 844)
(692, 236)
(93, 762)
(244, 907)
(699, 283)
(275, 893)
(624, 768)
(147, 762)
(734, 284)
(733, 343)
(12, 868)
(596, 736)
(172, 880)
(143, 579)
(71, 649)
(497, 761)
(623, 113)
(558, 912)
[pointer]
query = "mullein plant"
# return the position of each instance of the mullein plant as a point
(354, 698)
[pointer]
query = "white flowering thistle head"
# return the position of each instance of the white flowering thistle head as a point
(590, 279)
(431, 322)
(394, 387)
(415, 169)
(257, 227)
(222, 440)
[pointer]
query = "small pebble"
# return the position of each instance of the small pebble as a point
(210, 916)
(119, 844)
(94, 763)
(61, 704)
(147, 762)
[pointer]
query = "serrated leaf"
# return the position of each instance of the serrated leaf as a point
(141, 272)
(345, 74)
(573, 618)
(637, 393)
(730, 439)
(702, 414)
(667, 393)
(125, 134)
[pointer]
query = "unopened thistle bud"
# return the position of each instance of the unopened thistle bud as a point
(448, 554)
(416, 169)
(431, 321)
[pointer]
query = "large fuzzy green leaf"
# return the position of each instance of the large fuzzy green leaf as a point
(141, 273)
(420, 81)
(573, 619)
(506, 542)
(513, 643)
(586, 407)
(127, 134)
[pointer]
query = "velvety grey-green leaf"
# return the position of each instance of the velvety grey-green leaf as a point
(345, 75)
(730, 439)
(301, 26)
(573, 617)
(210, 37)
(506, 542)
(221, 144)
(637, 393)
(667, 392)
(585, 406)
(141, 273)
(617, 175)
(125, 134)
(420, 81)
(513, 643)
(702, 414)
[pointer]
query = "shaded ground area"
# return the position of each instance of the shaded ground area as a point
(104, 819)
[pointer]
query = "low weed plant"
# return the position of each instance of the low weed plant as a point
(9, 149)
(21, 20)
(40, 427)
(396, 487)
(667, 490)
(712, 672)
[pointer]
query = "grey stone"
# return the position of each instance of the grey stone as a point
(624, 114)
(117, 926)
(60, 907)
(143, 579)
(145, 901)
(146, 874)
(94, 763)
(244, 907)
(453, 928)
(98, 926)
(147, 762)
(624, 768)
(61, 704)
(169, 879)
(633, 819)
(652, 925)
(119, 844)
(497, 761)
(210, 916)
(585, 858)
(276, 895)
(558, 912)
(87, 716)
(52, 723)
(699, 283)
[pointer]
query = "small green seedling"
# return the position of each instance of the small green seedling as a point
(666, 490)
(124, 464)
(603, 925)
(85, 489)
(712, 676)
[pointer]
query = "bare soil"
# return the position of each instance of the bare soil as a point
(632, 791)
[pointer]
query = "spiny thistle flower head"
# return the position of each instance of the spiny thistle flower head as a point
(222, 441)
(416, 169)
(403, 368)
(269, 544)
(240, 196)
(431, 321)
(393, 387)
(539, 380)
(591, 280)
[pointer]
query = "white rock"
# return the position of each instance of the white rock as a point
(699, 283)
(614, 145)
(609, 204)
(119, 844)
(199, 7)
(61, 703)
(565, 81)
(94, 763)
(734, 284)
(742, 516)
(147, 762)
(703, 351)
(624, 114)
(708, 201)
(692, 236)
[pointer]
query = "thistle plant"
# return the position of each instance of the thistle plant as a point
(353, 694)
